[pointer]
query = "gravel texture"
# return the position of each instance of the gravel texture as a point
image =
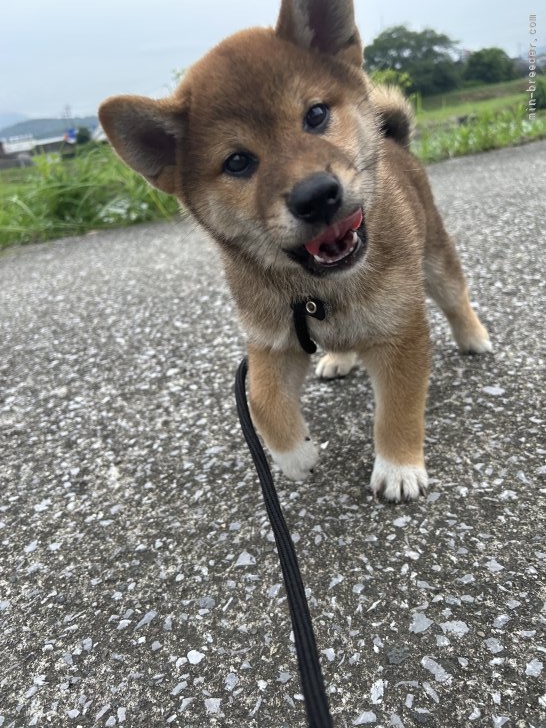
(139, 582)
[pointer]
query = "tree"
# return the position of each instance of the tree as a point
(490, 65)
(400, 48)
(390, 77)
(436, 78)
(427, 56)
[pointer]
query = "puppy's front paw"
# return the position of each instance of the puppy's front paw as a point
(297, 464)
(397, 482)
(335, 365)
(474, 339)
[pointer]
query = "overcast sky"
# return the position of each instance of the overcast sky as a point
(59, 53)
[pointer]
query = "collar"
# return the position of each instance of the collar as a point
(308, 307)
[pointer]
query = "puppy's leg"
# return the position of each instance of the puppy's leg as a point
(446, 284)
(276, 378)
(337, 364)
(399, 376)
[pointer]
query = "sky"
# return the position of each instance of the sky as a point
(61, 53)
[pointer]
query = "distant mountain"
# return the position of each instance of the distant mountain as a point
(44, 128)
(7, 118)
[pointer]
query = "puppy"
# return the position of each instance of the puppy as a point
(299, 168)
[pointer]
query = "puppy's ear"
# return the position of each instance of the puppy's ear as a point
(145, 133)
(326, 25)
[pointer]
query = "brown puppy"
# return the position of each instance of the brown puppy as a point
(277, 143)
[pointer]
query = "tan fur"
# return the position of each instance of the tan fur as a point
(275, 384)
(395, 113)
(250, 94)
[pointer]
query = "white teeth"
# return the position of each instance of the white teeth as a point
(332, 260)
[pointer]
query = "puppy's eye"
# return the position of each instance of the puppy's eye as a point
(316, 118)
(240, 164)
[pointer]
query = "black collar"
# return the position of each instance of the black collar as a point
(308, 307)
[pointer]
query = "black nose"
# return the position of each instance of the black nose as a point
(316, 198)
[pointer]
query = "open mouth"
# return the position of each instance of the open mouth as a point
(336, 248)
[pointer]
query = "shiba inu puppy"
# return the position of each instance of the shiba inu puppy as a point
(298, 167)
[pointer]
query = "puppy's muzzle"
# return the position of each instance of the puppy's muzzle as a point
(317, 198)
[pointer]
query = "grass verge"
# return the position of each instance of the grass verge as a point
(58, 198)
(479, 133)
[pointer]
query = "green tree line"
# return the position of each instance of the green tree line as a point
(427, 62)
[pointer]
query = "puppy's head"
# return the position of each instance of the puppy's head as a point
(270, 140)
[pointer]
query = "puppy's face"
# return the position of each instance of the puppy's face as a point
(270, 144)
(280, 152)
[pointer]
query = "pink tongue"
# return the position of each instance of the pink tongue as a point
(334, 240)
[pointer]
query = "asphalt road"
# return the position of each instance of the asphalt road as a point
(139, 584)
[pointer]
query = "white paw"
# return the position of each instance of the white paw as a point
(335, 365)
(298, 463)
(397, 482)
(477, 345)
(475, 342)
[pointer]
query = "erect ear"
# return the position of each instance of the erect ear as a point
(327, 25)
(145, 134)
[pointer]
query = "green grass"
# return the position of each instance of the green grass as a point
(486, 130)
(57, 198)
(434, 118)
(475, 94)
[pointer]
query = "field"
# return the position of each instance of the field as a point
(474, 94)
(447, 109)
(56, 198)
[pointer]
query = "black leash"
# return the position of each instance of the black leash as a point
(312, 683)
